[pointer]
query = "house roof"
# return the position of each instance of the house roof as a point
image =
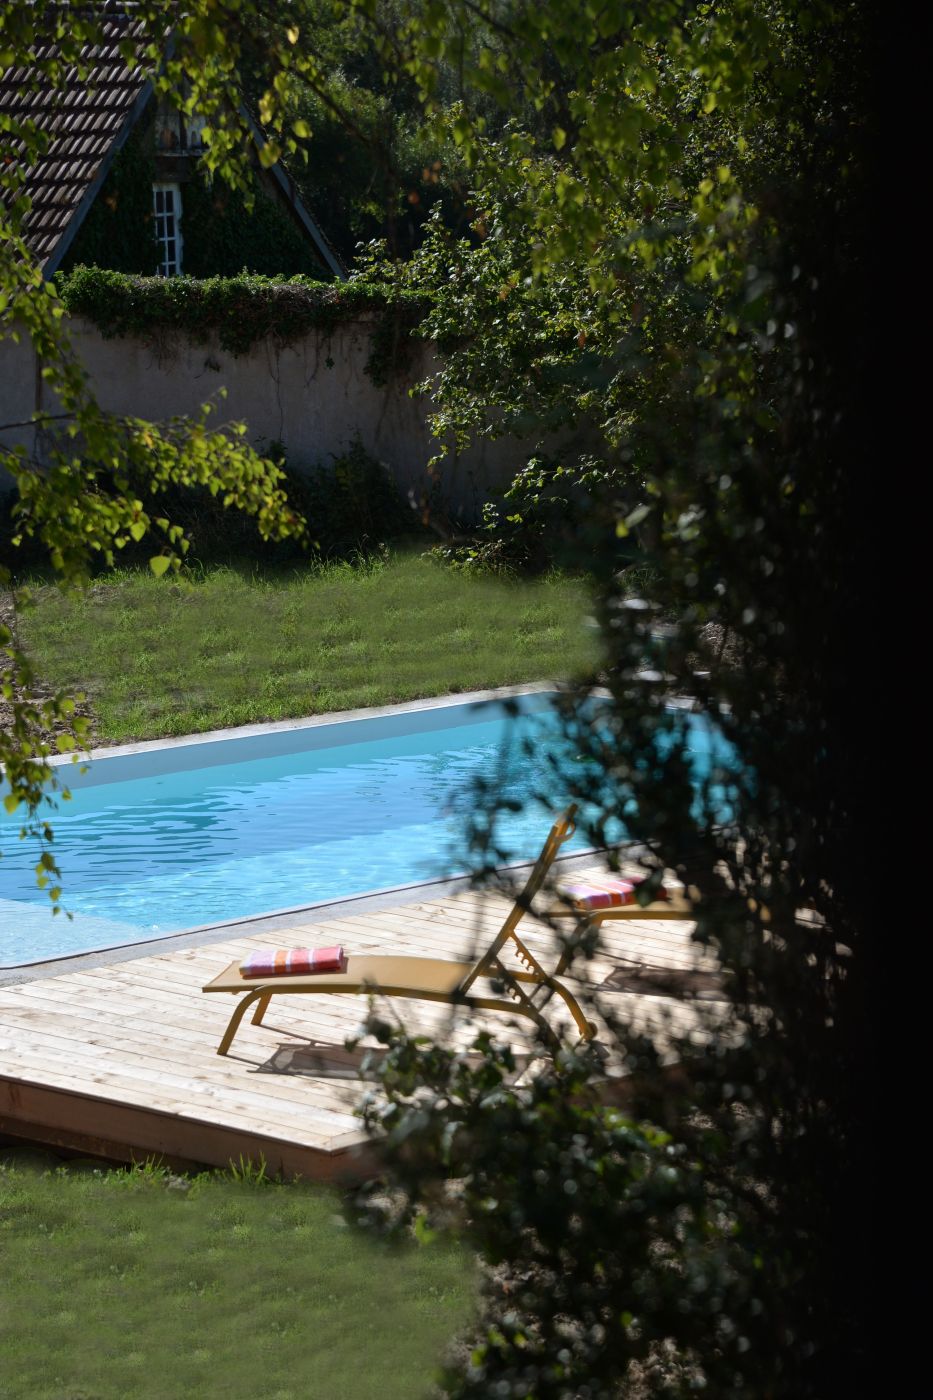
(87, 119)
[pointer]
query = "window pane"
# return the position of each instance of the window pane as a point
(166, 204)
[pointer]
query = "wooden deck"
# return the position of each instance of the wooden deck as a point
(120, 1060)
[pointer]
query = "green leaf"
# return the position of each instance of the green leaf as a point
(422, 1230)
(159, 563)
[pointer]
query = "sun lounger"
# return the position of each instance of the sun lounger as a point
(609, 898)
(478, 984)
(598, 898)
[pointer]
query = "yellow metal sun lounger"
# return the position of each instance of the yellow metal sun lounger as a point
(432, 979)
(437, 979)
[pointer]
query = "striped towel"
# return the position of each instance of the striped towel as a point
(292, 962)
(605, 892)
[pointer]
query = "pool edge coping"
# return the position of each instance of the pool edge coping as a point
(287, 726)
(203, 935)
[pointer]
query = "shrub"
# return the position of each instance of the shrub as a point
(352, 506)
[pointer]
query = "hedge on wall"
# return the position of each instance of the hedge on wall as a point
(242, 311)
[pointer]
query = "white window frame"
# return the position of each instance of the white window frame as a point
(168, 227)
(194, 132)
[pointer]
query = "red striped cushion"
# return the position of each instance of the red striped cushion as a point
(604, 892)
(292, 962)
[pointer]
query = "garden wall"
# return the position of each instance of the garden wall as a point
(313, 395)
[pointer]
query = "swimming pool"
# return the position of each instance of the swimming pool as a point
(162, 838)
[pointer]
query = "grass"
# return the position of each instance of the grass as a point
(143, 1286)
(158, 657)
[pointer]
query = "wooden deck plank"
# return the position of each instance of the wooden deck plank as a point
(307, 1019)
(172, 1053)
(124, 1054)
(124, 1091)
(186, 1092)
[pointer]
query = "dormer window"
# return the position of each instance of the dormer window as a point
(166, 202)
(176, 134)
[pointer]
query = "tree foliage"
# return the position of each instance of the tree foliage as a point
(373, 169)
(76, 486)
(670, 292)
(666, 286)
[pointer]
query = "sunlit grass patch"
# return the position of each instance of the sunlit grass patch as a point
(117, 1286)
(158, 657)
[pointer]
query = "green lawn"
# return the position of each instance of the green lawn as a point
(158, 657)
(118, 1287)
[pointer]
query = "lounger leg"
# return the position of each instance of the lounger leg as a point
(233, 1024)
(521, 1006)
(261, 1009)
(575, 938)
(550, 1034)
(527, 1008)
(587, 1029)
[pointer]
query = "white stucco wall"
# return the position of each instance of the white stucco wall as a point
(314, 396)
(18, 393)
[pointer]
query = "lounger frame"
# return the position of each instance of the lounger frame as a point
(527, 988)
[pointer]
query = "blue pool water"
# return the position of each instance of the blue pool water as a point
(169, 839)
